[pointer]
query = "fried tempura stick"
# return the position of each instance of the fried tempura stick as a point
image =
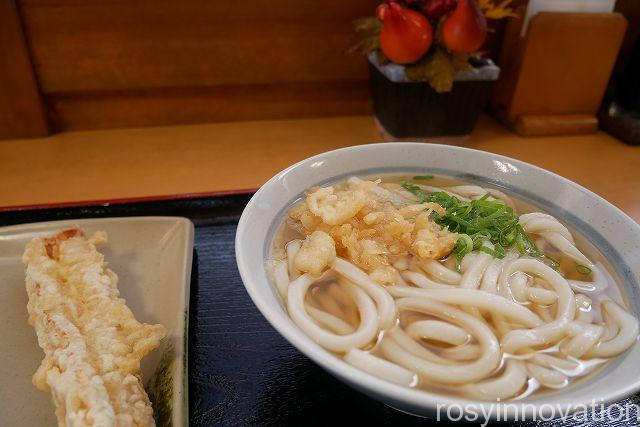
(92, 342)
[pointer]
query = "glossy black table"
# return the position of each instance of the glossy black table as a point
(241, 371)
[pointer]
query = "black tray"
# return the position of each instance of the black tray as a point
(241, 371)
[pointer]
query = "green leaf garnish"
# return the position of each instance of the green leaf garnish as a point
(583, 269)
(422, 177)
(480, 221)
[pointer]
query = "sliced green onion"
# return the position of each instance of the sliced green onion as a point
(551, 262)
(500, 251)
(583, 269)
(490, 251)
(422, 177)
(464, 245)
(479, 221)
(415, 190)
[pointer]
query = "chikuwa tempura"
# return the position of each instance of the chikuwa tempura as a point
(92, 343)
(441, 285)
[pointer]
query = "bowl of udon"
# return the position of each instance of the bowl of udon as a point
(428, 276)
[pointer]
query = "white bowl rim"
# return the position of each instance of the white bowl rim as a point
(375, 385)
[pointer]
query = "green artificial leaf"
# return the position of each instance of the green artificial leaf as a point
(370, 28)
(437, 68)
(366, 45)
(496, 11)
(460, 61)
(368, 24)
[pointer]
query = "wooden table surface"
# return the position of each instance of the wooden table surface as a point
(211, 158)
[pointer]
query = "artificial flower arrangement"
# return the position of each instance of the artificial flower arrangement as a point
(432, 39)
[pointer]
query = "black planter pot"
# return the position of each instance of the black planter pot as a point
(407, 109)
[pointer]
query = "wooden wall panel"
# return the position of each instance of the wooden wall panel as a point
(124, 63)
(85, 45)
(201, 105)
(22, 113)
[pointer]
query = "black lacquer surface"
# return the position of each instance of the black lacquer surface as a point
(241, 371)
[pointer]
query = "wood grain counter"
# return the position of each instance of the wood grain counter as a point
(134, 163)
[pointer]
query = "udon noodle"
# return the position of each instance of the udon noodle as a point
(400, 279)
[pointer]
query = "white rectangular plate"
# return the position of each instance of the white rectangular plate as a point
(152, 258)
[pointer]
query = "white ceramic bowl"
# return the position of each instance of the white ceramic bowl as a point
(615, 234)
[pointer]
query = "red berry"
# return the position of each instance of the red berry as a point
(434, 9)
(465, 30)
(406, 35)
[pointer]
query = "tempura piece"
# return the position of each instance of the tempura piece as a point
(370, 226)
(92, 342)
(317, 251)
